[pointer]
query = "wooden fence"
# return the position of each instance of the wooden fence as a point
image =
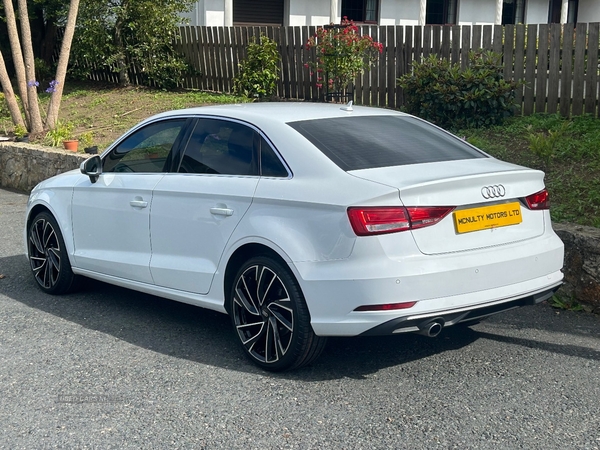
(559, 63)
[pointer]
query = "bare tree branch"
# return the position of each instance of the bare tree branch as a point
(63, 61)
(9, 95)
(35, 118)
(15, 45)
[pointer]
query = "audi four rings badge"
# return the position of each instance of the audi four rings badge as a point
(495, 191)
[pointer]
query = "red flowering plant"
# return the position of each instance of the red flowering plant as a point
(341, 54)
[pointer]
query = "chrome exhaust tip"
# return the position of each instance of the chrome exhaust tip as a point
(431, 329)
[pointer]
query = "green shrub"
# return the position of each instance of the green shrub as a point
(259, 72)
(62, 132)
(342, 53)
(43, 71)
(566, 303)
(86, 139)
(118, 35)
(20, 131)
(442, 93)
(545, 144)
(4, 112)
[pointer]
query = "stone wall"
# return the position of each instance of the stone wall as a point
(582, 264)
(22, 166)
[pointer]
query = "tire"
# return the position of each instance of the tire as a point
(48, 256)
(270, 316)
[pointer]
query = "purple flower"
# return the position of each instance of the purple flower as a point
(52, 87)
(33, 83)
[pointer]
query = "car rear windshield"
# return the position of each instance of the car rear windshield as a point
(368, 142)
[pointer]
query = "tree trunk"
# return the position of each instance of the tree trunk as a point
(35, 122)
(15, 45)
(121, 61)
(9, 95)
(63, 62)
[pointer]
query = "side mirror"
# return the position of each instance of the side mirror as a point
(92, 167)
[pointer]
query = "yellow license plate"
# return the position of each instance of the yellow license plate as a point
(486, 217)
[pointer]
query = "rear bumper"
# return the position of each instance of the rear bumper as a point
(452, 286)
(419, 322)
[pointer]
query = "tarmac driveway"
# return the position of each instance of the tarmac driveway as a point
(111, 368)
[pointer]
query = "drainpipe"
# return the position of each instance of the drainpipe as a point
(333, 11)
(564, 11)
(228, 13)
(422, 12)
(498, 20)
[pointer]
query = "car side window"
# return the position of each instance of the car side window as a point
(221, 147)
(270, 164)
(145, 150)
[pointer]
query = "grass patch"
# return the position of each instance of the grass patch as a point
(565, 303)
(107, 111)
(567, 150)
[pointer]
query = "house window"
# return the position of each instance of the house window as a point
(555, 10)
(360, 10)
(441, 12)
(513, 12)
(258, 12)
(572, 14)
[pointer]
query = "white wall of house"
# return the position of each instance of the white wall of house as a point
(394, 12)
(310, 12)
(536, 11)
(589, 11)
(476, 12)
(391, 12)
(207, 13)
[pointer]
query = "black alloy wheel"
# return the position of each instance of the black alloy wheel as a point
(47, 255)
(271, 318)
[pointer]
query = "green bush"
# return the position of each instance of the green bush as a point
(545, 144)
(341, 54)
(62, 132)
(118, 35)
(444, 94)
(4, 112)
(259, 72)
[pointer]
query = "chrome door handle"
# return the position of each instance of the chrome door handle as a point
(138, 203)
(221, 211)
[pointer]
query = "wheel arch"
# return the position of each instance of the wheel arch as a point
(31, 214)
(243, 254)
(35, 210)
(64, 228)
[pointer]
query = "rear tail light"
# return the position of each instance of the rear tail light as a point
(386, 306)
(367, 221)
(539, 200)
(424, 217)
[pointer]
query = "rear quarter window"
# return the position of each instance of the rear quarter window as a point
(368, 142)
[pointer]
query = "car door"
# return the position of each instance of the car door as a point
(195, 211)
(111, 217)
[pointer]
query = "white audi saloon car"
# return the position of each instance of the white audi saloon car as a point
(301, 221)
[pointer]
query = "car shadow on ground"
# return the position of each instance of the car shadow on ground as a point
(204, 336)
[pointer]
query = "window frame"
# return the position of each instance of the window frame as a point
(555, 10)
(515, 13)
(178, 156)
(242, 17)
(572, 11)
(364, 13)
(445, 11)
(174, 148)
(347, 151)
